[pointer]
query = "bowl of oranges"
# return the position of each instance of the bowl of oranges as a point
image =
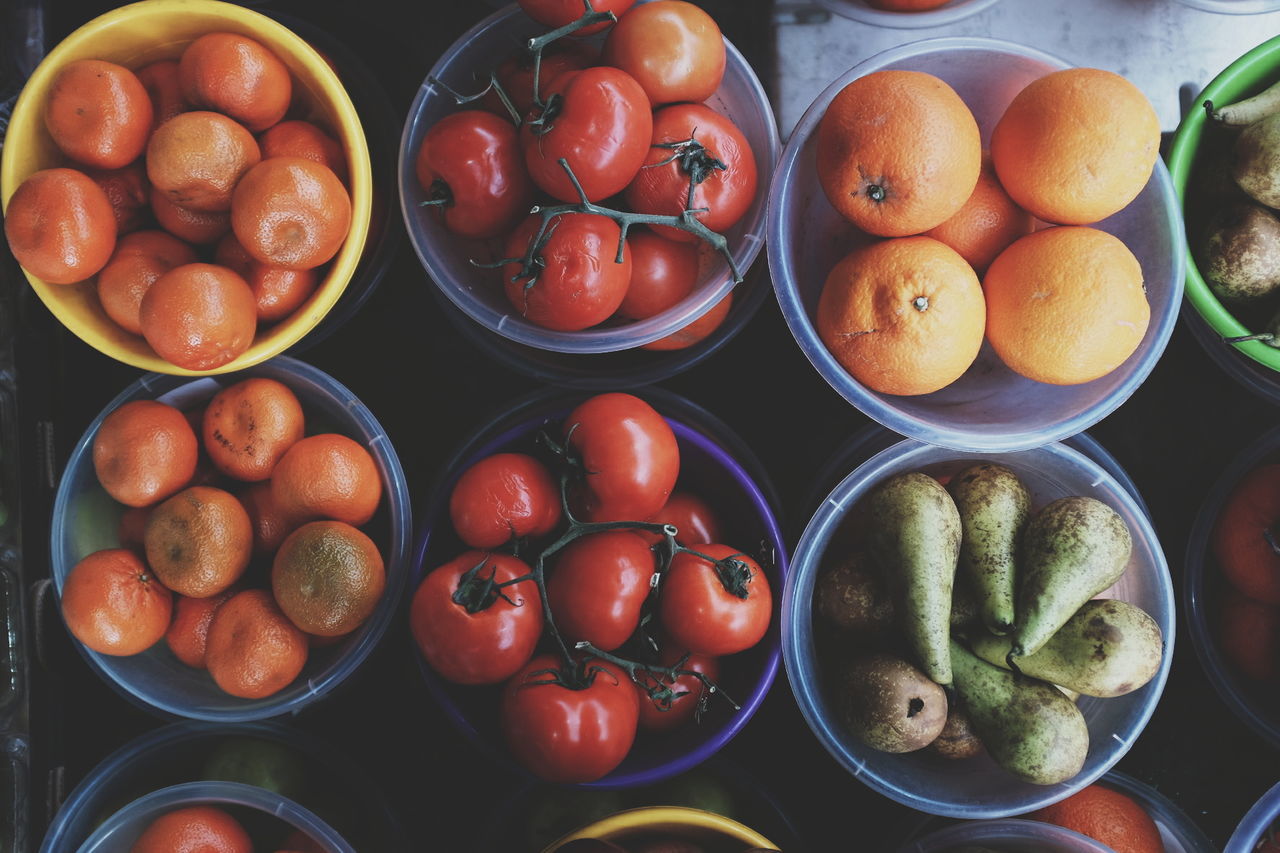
(912, 255)
(186, 186)
(907, 14)
(231, 549)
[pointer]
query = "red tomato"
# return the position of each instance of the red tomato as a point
(1249, 636)
(485, 647)
(726, 193)
(565, 735)
(683, 708)
(629, 454)
(697, 331)
(578, 285)
(1239, 542)
(703, 616)
(515, 73)
(597, 119)
(598, 586)
(557, 13)
(692, 516)
(662, 273)
(473, 159)
(673, 49)
(504, 497)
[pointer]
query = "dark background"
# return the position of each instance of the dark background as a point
(430, 387)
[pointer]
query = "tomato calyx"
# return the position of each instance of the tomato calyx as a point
(438, 195)
(476, 594)
(657, 680)
(694, 160)
(734, 574)
(547, 112)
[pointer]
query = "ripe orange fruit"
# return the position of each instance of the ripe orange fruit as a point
(188, 634)
(144, 452)
(898, 152)
(253, 648)
(290, 212)
(327, 476)
(127, 189)
(299, 842)
(194, 226)
(903, 316)
(160, 79)
(248, 426)
(328, 577)
(988, 222)
(199, 541)
(140, 258)
(303, 139)
(1239, 542)
(278, 292)
(1065, 305)
(199, 316)
(237, 76)
(98, 113)
(113, 605)
(60, 226)
(270, 524)
(1108, 816)
(197, 158)
(1076, 146)
(697, 331)
(195, 829)
(133, 527)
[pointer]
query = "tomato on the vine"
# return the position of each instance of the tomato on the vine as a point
(697, 331)
(629, 454)
(504, 497)
(693, 517)
(715, 610)
(569, 735)
(577, 284)
(557, 13)
(683, 707)
(598, 586)
(515, 73)
(662, 273)
(674, 50)
(598, 120)
(485, 646)
(718, 161)
(471, 162)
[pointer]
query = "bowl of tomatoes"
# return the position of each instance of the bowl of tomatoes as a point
(190, 532)
(907, 14)
(1256, 832)
(611, 636)
(656, 827)
(131, 135)
(631, 133)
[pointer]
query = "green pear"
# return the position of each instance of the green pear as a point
(1072, 550)
(1108, 648)
(1256, 166)
(852, 597)
(1027, 726)
(993, 505)
(916, 543)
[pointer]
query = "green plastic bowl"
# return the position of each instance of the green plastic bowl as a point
(1247, 76)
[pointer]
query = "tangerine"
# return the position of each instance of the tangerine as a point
(290, 212)
(143, 452)
(195, 226)
(248, 426)
(303, 139)
(277, 292)
(113, 605)
(987, 223)
(127, 189)
(195, 829)
(188, 634)
(139, 259)
(237, 76)
(327, 476)
(1106, 815)
(328, 578)
(60, 226)
(98, 113)
(270, 524)
(254, 650)
(163, 86)
(199, 316)
(197, 158)
(199, 541)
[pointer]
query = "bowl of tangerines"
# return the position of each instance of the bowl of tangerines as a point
(976, 244)
(186, 185)
(230, 549)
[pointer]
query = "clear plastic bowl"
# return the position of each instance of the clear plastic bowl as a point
(478, 293)
(123, 828)
(714, 463)
(1233, 7)
(85, 520)
(990, 407)
(1006, 836)
(1256, 823)
(977, 788)
(1203, 584)
(1258, 378)
(861, 11)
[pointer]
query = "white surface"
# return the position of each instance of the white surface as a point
(1158, 44)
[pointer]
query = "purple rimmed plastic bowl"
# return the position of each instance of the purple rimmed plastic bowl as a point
(726, 474)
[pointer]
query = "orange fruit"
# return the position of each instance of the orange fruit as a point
(1065, 305)
(163, 86)
(188, 633)
(248, 426)
(327, 476)
(303, 139)
(278, 292)
(139, 259)
(1108, 816)
(328, 577)
(697, 331)
(270, 524)
(144, 452)
(299, 842)
(197, 158)
(195, 829)
(60, 226)
(98, 113)
(903, 316)
(133, 527)
(194, 226)
(127, 189)
(113, 605)
(1239, 540)
(1076, 146)
(988, 222)
(898, 152)
(290, 212)
(253, 648)
(199, 316)
(199, 541)
(236, 76)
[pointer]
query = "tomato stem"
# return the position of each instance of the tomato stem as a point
(438, 195)
(1265, 337)
(477, 594)
(661, 694)
(694, 159)
(494, 86)
(734, 574)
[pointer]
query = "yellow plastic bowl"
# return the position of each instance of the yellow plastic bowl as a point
(134, 36)
(693, 824)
